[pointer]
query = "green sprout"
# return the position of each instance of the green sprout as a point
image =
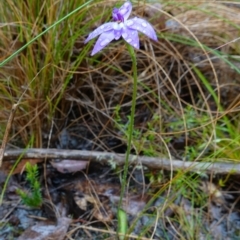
(34, 198)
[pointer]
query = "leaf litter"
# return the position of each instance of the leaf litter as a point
(84, 194)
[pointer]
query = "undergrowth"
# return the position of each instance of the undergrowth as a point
(33, 198)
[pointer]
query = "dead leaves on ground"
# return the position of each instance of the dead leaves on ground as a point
(47, 230)
(87, 200)
(103, 200)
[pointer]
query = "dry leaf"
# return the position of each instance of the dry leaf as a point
(69, 166)
(44, 230)
(7, 165)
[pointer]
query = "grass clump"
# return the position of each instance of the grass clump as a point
(40, 72)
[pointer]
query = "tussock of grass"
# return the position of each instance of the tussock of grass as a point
(188, 82)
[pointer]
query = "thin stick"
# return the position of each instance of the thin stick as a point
(7, 131)
(119, 159)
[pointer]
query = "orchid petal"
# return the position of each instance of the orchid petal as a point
(125, 10)
(101, 29)
(103, 41)
(131, 37)
(143, 26)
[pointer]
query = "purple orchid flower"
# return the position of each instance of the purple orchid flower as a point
(121, 27)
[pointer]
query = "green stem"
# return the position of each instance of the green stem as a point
(122, 219)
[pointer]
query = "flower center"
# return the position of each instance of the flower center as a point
(117, 16)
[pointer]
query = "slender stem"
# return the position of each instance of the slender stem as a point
(122, 221)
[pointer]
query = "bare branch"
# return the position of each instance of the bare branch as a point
(119, 159)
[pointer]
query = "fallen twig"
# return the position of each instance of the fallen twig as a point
(119, 159)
